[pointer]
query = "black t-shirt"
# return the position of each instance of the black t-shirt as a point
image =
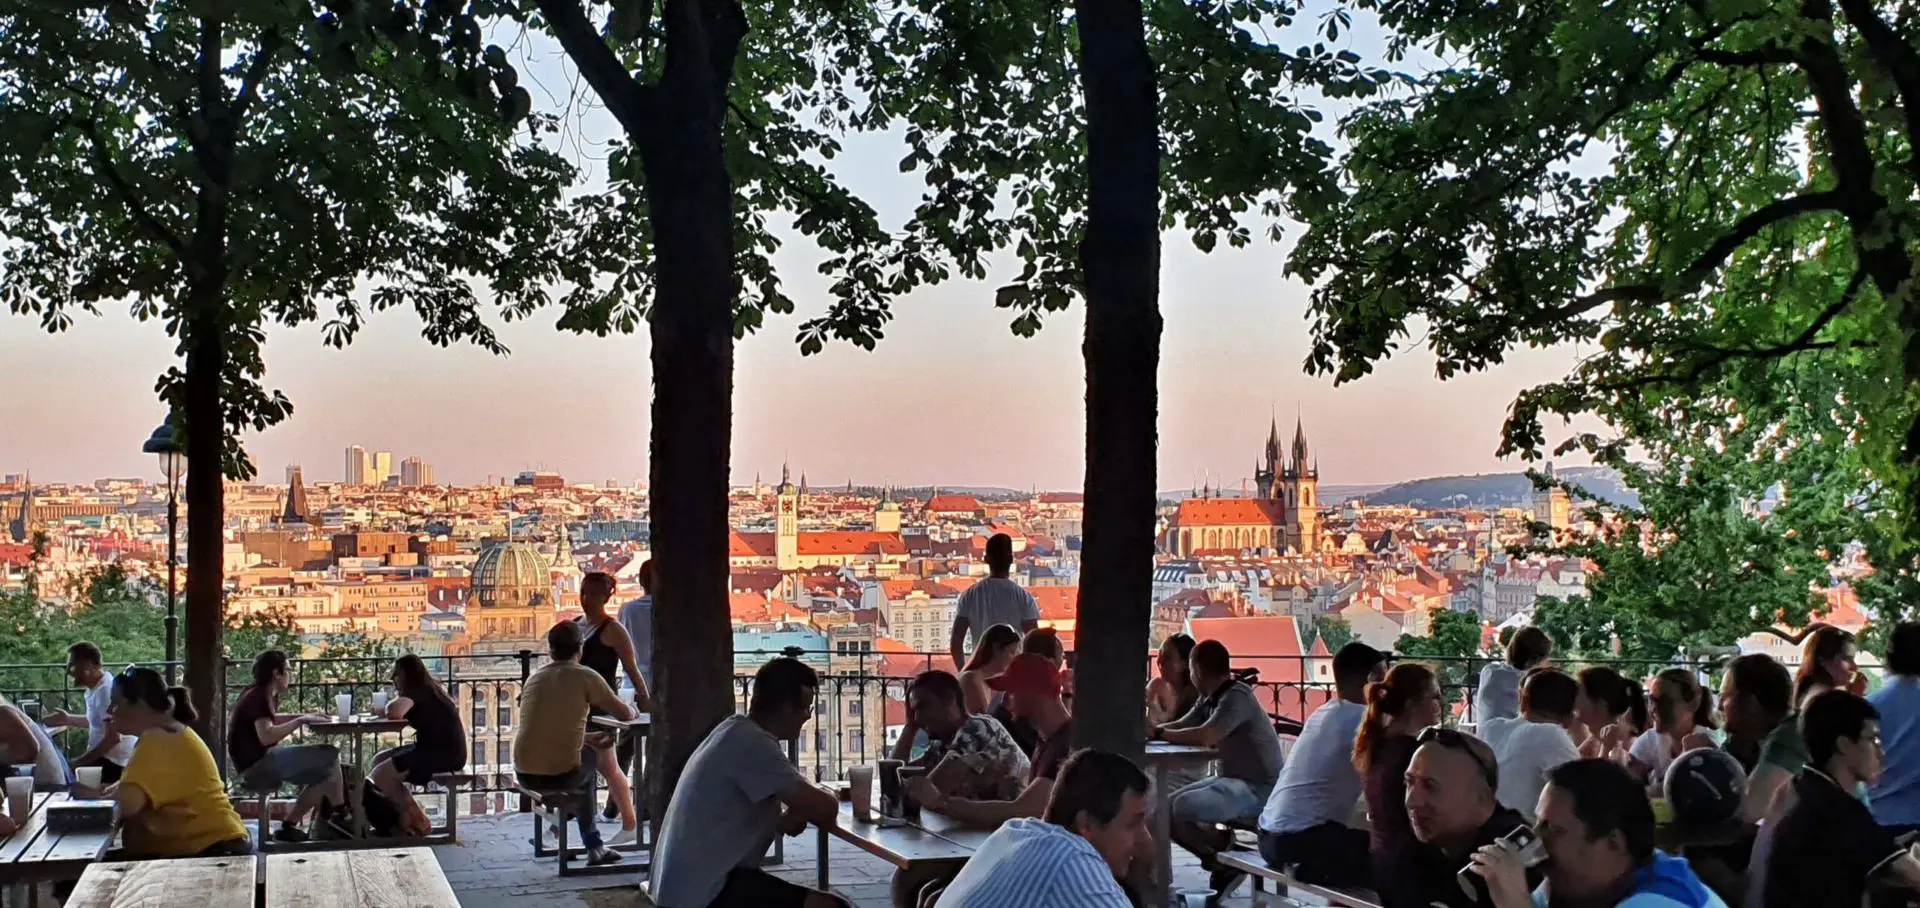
(243, 740)
(436, 727)
(1391, 837)
(1823, 849)
(1053, 751)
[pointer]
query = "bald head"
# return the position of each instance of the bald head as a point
(1450, 789)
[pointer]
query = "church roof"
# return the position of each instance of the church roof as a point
(1218, 512)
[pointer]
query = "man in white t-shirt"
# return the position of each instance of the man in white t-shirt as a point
(1532, 745)
(106, 748)
(995, 600)
(1307, 820)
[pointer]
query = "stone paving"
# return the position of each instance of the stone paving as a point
(493, 867)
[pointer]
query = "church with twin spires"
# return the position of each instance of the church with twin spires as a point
(1280, 515)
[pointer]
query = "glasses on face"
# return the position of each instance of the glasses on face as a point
(1453, 740)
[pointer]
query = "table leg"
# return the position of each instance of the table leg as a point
(1162, 893)
(356, 799)
(824, 839)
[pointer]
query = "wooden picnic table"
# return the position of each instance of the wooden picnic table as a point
(958, 832)
(358, 728)
(209, 882)
(387, 878)
(905, 847)
(35, 854)
(1163, 758)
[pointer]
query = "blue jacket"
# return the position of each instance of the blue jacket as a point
(1666, 882)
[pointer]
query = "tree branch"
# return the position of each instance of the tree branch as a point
(256, 73)
(625, 97)
(1716, 357)
(1900, 59)
(110, 171)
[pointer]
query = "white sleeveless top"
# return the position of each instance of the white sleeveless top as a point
(50, 768)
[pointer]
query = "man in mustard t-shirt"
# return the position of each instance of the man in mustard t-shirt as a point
(551, 750)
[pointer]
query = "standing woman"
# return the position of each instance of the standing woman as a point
(606, 648)
(1826, 663)
(991, 656)
(172, 802)
(1171, 693)
(439, 741)
(1681, 710)
(1608, 713)
(23, 740)
(1398, 708)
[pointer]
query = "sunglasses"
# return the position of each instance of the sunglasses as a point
(1453, 740)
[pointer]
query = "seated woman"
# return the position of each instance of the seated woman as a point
(439, 741)
(24, 741)
(172, 802)
(254, 749)
(994, 653)
(1171, 693)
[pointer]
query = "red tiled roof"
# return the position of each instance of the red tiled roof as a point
(750, 545)
(1057, 603)
(1270, 643)
(896, 589)
(749, 608)
(1220, 512)
(1063, 498)
(851, 543)
(954, 504)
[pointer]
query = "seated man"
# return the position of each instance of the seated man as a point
(1453, 812)
(1824, 848)
(1538, 740)
(737, 793)
(1756, 700)
(551, 750)
(1305, 823)
(256, 751)
(1596, 826)
(1032, 686)
(969, 757)
(1095, 827)
(1229, 719)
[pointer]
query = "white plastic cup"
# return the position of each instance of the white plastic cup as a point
(19, 798)
(1195, 898)
(860, 792)
(380, 701)
(344, 703)
(89, 777)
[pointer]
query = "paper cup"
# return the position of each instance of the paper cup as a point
(860, 792)
(380, 701)
(344, 703)
(89, 777)
(19, 798)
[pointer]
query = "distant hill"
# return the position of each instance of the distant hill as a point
(1494, 490)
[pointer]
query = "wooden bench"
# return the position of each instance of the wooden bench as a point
(1253, 866)
(449, 785)
(207, 882)
(560, 806)
(387, 878)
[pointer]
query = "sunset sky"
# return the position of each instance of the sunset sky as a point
(949, 397)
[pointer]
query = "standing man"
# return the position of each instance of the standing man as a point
(106, 748)
(1229, 719)
(552, 750)
(1499, 692)
(995, 600)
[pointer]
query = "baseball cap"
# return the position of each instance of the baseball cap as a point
(1027, 675)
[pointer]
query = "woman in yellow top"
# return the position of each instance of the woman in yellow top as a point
(172, 804)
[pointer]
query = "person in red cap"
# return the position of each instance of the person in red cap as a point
(1032, 685)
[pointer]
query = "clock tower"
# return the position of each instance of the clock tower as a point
(786, 524)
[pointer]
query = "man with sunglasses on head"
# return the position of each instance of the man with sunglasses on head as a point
(1454, 810)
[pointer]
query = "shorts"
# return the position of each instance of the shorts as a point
(308, 764)
(419, 767)
(751, 887)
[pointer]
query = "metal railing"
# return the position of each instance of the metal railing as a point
(860, 707)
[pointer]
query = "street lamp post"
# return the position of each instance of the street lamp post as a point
(172, 464)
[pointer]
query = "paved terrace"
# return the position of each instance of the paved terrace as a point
(493, 867)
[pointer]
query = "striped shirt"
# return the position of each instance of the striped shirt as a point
(1029, 863)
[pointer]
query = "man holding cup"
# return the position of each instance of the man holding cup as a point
(107, 750)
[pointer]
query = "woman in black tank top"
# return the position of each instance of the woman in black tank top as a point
(439, 741)
(605, 648)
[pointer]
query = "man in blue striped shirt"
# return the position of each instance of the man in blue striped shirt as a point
(1095, 827)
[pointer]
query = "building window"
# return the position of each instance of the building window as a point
(479, 711)
(856, 742)
(479, 753)
(853, 709)
(506, 714)
(819, 739)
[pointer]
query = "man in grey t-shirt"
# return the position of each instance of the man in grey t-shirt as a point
(738, 792)
(995, 600)
(1228, 718)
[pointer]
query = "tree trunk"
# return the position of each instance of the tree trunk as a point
(1120, 261)
(206, 506)
(690, 197)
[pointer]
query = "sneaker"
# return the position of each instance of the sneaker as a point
(600, 857)
(289, 833)
(624, 837)
(611, 811)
